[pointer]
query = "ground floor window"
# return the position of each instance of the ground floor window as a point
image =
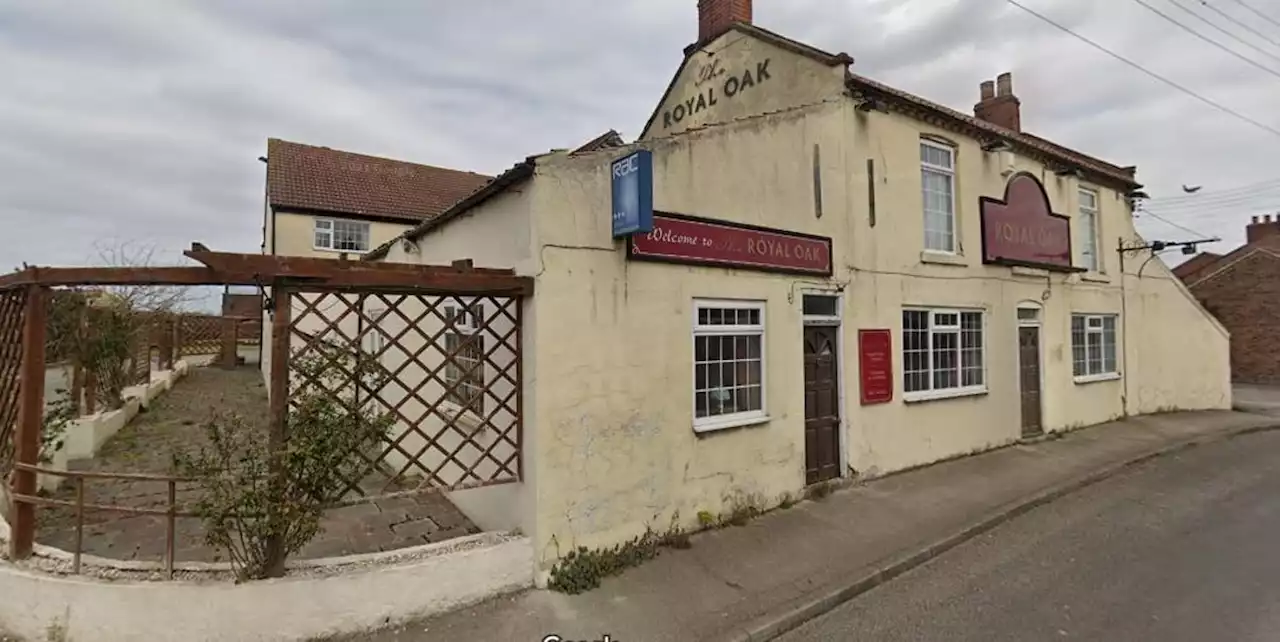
(728, 363)
(465, 374)
(1093, 345)
(942, 351)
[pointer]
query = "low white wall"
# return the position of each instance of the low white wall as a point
(492, 508)
(294, 608)
(85, 435)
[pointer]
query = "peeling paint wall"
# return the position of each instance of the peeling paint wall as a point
(608, 366)
(737, 76)
(617, 451)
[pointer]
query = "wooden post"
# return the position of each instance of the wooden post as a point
(227, 358)
(177, 337)
(30, 419)
(281, 328)
(77, 384)
(165, 343)
(90, 391)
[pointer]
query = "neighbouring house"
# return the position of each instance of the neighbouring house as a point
(1242, 289)
(328, 203)
(324, 202)
(841, 280)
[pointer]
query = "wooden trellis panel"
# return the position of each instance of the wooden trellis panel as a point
(445, 369)
(12, 306)
(198, 334)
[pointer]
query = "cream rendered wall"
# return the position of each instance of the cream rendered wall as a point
(497, 235)
(891, 266)
(616, 451)
(767, 79)
(295, 235)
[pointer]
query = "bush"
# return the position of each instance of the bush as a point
(261, 503)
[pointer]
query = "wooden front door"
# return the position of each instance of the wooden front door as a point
(1029, 379)
(821, 404)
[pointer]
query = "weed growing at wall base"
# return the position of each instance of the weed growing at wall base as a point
(583, 569)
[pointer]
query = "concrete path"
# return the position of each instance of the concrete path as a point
(1180, 549)
(756, 581)
(1260, 399)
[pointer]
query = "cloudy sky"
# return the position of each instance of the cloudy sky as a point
(141, 121)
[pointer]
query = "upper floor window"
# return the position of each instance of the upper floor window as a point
(1089, 229)
(937, 179)
(342, 236)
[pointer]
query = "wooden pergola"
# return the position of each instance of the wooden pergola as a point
(24, 299)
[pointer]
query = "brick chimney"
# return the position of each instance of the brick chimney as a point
(1260, 229)
(998, 105)
(716, 16)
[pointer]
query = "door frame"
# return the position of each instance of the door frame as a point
(837, 322)
(1038, 324)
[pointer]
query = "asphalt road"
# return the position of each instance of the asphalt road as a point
(1183, 548)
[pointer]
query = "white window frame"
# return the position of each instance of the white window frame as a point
(738, 419)
(331, 224)
(959, 390)
(950, 174)
(1089, 256)
(467, 325)
(1095, 324)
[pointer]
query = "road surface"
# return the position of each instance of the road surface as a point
(1183, 548)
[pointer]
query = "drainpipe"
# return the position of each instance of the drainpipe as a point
(1124, 331)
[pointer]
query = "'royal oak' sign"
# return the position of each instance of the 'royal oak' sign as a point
(696, 241)
(1023, 230)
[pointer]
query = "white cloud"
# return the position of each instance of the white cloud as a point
(144, 119)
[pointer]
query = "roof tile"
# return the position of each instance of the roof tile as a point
(320, 178)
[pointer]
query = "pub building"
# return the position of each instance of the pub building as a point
(798, 274)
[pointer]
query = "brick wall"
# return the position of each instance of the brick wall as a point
(1246, 299)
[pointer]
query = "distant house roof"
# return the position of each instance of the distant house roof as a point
(1268, 247)
(330, 180)
(1189, 268)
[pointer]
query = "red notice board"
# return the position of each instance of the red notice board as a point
(875, 365)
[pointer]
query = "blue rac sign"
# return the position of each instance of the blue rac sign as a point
(632, 178)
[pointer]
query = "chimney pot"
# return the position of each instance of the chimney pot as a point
(987, 89)
(716, 16)
(1004, 84)
(1000, 107)
(1264, 226)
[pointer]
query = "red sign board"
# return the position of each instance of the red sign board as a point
(875, 364)
(1023, 230)
(682, 239)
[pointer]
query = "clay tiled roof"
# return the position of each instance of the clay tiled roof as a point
(1195, 264)
(1267, 247)
(319, 178)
